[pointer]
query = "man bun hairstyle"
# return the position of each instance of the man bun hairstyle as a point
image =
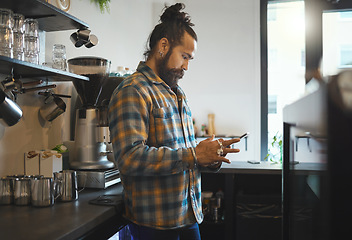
(173, 24)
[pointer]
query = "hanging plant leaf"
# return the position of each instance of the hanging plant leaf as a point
(103, 5)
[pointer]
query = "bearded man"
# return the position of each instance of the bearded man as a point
(153, 137)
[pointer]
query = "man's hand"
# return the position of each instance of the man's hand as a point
(207, 151)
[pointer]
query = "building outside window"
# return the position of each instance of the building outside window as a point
(337, 42)
(286, 65)
(286, 27)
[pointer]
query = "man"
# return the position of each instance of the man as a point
(153, 137)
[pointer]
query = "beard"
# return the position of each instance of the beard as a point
(170, 76)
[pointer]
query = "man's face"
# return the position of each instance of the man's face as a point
(171, 68)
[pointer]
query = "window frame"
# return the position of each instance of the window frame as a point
(313, 51)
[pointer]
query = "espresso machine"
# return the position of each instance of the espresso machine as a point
(92, 138)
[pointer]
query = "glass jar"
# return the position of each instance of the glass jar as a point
(6, 17)
(59, 57)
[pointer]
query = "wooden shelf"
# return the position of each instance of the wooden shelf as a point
(23, 69)
(50, 18)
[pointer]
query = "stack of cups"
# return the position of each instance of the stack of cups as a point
(31, 41)
(18, 36)
(59, 57)
(6, 34)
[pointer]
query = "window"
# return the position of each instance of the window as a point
(272, 104)
(286, 62)
(346, 56)
(303, 58)
(272, 58)
(337, 42)
(346, 15)
(272, 13)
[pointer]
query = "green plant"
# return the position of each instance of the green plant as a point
(275, 151)
(103, 5)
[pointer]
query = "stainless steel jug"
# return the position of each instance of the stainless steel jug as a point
(10, 112)
(6, 191)
(22, 192)
(42, 192)
(66, 182)
(52, 109)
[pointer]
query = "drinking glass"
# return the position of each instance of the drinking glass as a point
(18, 41)
(31, 57)
(6, 17)
(31, 49)
(31, 44)
(31, 27)
(18, 22)
(6, 40)
(18, 45)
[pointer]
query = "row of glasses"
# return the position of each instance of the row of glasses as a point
(19, 37)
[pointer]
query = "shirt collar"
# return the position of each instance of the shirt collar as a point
(152, 77)
(149, 73)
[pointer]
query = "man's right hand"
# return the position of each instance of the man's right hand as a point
(207, 151)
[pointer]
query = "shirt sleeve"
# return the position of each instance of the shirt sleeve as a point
(129, 113)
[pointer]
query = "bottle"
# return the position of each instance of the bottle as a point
(211, 124)
(128, 72)
(219, 197)
(120, 71)
(195, 128)
(203, 130)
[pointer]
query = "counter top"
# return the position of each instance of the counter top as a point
(268, 167)
(244, 167)
(63, 220)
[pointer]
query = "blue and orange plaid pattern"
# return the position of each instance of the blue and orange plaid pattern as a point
(154, 147)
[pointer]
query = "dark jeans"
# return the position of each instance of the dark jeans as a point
(145, 233)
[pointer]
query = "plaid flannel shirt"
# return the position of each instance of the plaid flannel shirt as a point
(154, 146)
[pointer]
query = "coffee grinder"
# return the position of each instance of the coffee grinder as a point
(92, 136)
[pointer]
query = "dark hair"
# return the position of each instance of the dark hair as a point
(172, 26)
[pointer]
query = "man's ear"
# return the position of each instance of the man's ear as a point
(164, 45)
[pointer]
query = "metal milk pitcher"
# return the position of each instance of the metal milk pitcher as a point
(42, 191)
(6, 191)
(66, 185)
(22, 191)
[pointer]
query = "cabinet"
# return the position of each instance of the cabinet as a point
(50, 19)
(252, 203)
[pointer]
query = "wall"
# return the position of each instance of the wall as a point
(223, 79)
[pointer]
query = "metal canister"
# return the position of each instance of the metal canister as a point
(22, 191)
(42, 192)
(6, 191)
